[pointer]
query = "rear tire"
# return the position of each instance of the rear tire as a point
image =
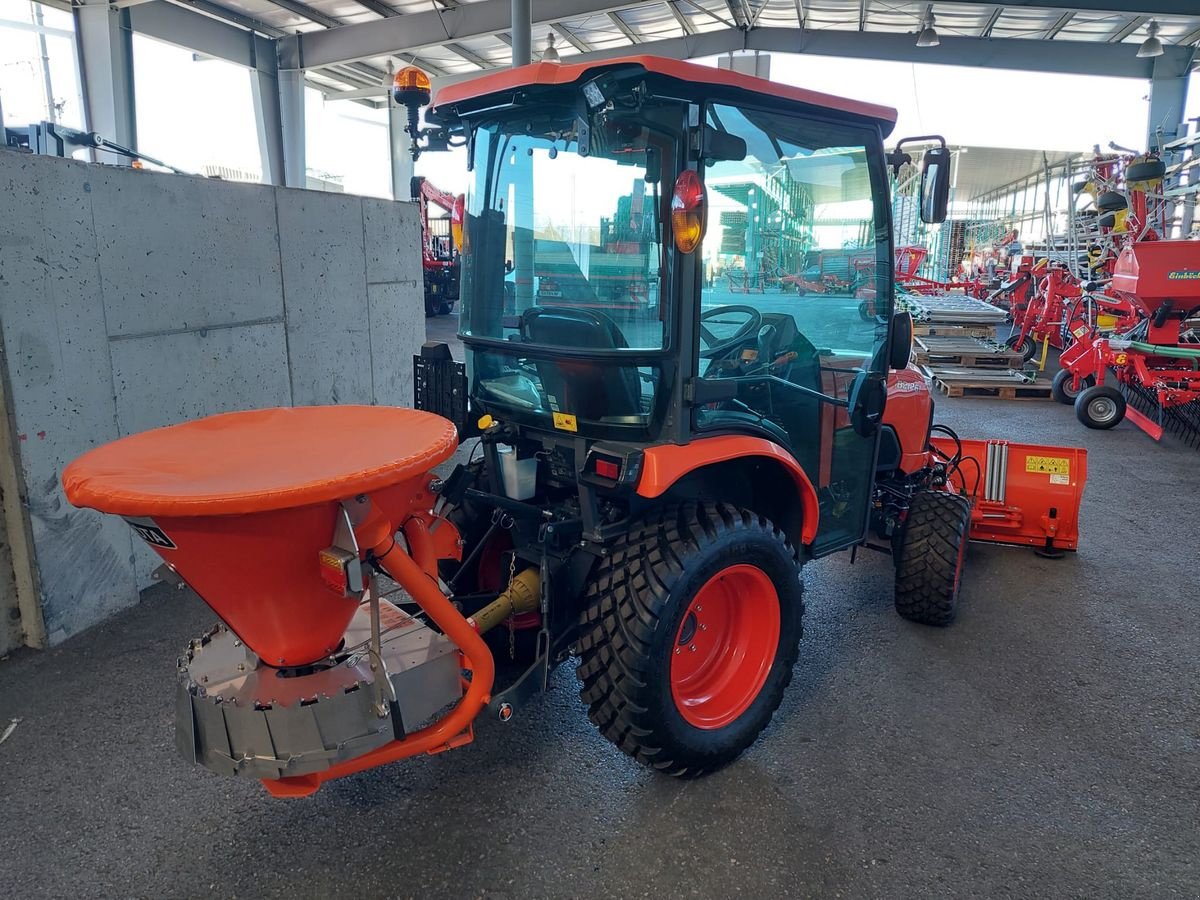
(932, 549)
(1061, 390)
(645, 690)
(1100, 406)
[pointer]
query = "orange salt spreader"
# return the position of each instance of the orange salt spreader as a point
(279, 519)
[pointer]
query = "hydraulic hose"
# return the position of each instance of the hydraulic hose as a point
(442, 733)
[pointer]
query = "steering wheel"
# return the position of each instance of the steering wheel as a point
(749, 329)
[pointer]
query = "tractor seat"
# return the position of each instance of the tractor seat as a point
(259, 461)
(588, 388)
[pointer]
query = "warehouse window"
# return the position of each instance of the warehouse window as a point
(39, 80)
(195, 112)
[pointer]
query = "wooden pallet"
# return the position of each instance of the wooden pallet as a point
(986, 332)
(964, 351)
(1006, 385)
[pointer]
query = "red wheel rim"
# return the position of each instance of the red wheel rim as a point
(725, 646)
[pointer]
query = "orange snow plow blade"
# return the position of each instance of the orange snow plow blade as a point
(1026, 495)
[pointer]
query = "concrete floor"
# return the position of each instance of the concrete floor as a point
(1045, 745)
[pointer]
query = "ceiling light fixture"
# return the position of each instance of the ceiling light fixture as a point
(928, 36)
(550, 54)
(1151, 46)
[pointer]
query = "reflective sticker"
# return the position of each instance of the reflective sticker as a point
(565, 422)
(152, 535)
(1050, 465)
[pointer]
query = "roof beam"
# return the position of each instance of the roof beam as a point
(380, 9)
(1058, 26)
(862, 15)
(571, 37)
(629, 33)
(1069, 57)
(991, 22)
(1127, 29)
(735, 12)
(469, 55)
(203, 34)
(412, 32)
(684, 22)
(800, 16)
(712, 15)
(307, 12)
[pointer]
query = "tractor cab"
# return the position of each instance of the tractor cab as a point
(632, 234)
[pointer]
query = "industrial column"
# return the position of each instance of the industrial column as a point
(1168, 94)
(522, 32)
(291, 117)
(104, 44)
(268, 121)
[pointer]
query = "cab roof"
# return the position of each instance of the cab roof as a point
(549, 74)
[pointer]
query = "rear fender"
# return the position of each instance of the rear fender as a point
(1025, 495)
(729, 466)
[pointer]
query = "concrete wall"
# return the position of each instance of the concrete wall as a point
(131, 300)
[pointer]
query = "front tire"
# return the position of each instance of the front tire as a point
(1100, 406)
(689, 635)
(929, 569)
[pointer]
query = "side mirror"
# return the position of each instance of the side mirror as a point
(935, 184)
(935, 175)
(900, 349)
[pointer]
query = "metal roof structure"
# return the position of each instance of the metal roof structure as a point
(344, 46)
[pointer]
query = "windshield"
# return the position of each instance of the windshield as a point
(564, 250)
(568, 228)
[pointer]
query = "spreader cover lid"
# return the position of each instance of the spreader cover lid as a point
(259, 460)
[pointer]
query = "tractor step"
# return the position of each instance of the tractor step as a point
(968, 352)
(1003, 385)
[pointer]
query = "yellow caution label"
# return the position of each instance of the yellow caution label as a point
(1049, 465)
(565, 422)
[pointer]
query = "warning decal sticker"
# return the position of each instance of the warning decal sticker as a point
(1050, 465)
(565, 422)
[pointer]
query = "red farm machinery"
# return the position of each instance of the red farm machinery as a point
(1151, 372)
(441, 242)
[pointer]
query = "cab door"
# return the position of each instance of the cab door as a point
(796, 299)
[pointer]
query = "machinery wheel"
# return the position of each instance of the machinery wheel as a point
(929, 568)
(1110, 201)
(1061, 390)
(1150, 170)
(690, 631)
(1026, 346)
(1100, 406)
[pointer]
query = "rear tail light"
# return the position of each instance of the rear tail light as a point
(689, 209)
(608, 468)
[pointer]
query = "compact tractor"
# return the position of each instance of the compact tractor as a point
(640, 495)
